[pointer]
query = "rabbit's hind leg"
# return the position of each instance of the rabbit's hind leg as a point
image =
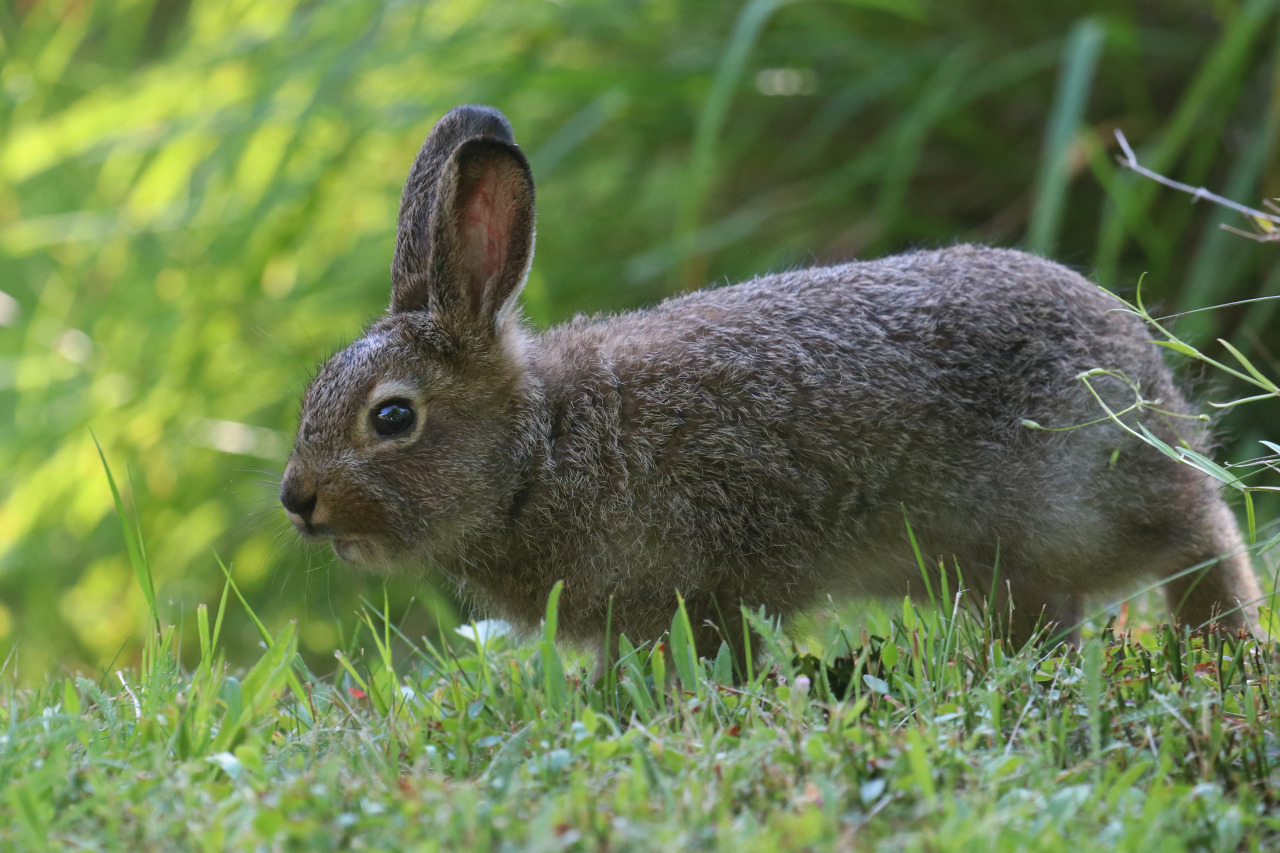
(1212, 580)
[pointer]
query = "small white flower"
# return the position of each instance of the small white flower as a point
(485, 630)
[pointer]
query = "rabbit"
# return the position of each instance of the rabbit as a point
(774, 442)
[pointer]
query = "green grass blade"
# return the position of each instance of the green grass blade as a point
(137, 557)
(684, 652)
(1075, 82)
(703, 166)
(554, 681)
(1263, 380)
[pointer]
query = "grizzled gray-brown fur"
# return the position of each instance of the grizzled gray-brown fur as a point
(755, 444)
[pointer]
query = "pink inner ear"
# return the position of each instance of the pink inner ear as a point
(486, 233)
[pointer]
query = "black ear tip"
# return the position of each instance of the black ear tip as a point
(489, 149)
(478, 120)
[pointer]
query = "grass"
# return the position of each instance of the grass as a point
(920, 730)
(925, 735)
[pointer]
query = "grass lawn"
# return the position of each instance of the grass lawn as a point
(928, 735)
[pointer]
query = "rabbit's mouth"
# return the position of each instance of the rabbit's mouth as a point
(366, 553)
(356, 550)
(361, 552)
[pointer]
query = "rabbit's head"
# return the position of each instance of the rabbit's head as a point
(418, 433)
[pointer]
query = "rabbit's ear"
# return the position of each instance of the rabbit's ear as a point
(466, 222)
(485, 237)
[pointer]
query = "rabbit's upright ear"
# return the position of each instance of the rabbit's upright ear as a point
(465, 234)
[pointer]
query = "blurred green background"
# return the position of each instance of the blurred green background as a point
(198, 197)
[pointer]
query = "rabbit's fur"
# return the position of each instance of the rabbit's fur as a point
(765, 443)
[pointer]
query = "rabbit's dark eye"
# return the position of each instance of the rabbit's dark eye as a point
(392, 417)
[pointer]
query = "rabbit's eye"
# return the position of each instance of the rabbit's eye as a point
(392, 417)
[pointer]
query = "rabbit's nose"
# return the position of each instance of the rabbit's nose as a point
(298, 501)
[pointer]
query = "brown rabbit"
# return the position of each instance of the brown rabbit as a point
(759, 444)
